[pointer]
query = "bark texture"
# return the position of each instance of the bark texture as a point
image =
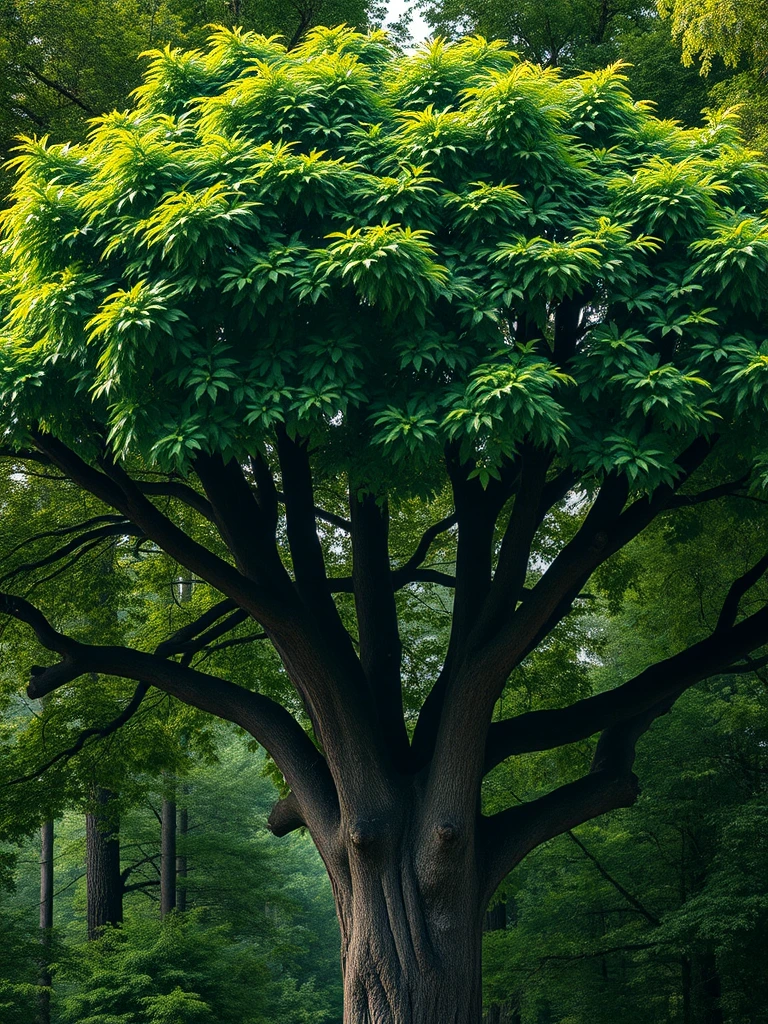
(104, 883)
(410, 907)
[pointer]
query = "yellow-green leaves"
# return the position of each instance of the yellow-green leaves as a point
(388, 266)
(388, 254)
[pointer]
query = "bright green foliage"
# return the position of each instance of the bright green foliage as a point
(378, 251)
(583, 35)
(65, 61)
(729, 34)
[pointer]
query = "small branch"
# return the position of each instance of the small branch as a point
(632, 900)
(730, 489)
(134, 886)
(62, 531)
(321, 513)
(182, 491)
(59, 88)
(344, 584)
(285, 817)
(425, 543)
(121, 529)
(100, 732)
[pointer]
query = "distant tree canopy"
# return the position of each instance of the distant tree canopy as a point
(583, 36)
(731, 29)
(452, 288)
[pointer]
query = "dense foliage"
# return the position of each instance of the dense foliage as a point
(217, 185)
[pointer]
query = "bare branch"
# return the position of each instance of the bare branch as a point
(121, 529)
(546, 729)
(182, 491)
(266, 720)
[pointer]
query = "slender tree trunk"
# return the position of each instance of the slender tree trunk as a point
(706, 988)
(46, 920)
(102, 865)
(168, 857)
(181, 859)
(686, 991)
(496, 921)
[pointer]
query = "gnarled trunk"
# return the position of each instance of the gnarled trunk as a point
(410, 909)
(406, 961)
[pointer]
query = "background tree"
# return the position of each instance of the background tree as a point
(214, 325)
(584, 36)
(732, 34)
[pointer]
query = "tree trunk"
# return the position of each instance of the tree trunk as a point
(495, 921)
(102, 865)
(168, 858)
(46, 920)
(706, 988)
(181, 861)
(411, 927)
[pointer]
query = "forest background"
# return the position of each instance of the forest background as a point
(659, 911)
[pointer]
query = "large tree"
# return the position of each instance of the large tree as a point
(451, 282)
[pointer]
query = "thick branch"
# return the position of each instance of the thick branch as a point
(380, 646)
(737, 590)
(544, 730)
(121, 493)
(306, 550)
(268, 722)
(285, 816)
(241, 522)
(609, 784)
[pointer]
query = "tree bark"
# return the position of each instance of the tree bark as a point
(168, 858)
(410, 907)
(46, 920)
(104, 884)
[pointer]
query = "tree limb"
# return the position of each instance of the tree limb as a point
(267, 721)
(100, 732)
(546, 729)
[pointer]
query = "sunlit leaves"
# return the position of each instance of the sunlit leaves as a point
(388, 254)
(735, 260)
(391, 266)
(669, 198)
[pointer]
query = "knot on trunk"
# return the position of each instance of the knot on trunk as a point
(364, 832)
(447, 832)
